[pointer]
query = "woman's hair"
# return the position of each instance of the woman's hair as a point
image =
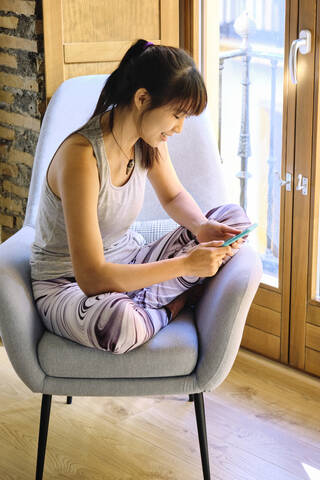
(170, 76)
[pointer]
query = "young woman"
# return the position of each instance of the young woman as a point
(95, 281)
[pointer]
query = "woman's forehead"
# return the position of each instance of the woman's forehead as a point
(174, 107)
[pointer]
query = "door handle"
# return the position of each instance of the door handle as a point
(302, 184)
(303, 43)
(286, 182)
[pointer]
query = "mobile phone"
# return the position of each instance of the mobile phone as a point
(242, 234)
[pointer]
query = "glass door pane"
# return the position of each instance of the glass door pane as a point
(250, 124)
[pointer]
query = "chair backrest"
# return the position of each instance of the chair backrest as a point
(194, 152)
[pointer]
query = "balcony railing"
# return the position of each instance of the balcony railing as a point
(244, 26)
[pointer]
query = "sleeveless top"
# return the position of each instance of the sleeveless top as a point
(118, 207)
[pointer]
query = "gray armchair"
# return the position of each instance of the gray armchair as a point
(197, 349)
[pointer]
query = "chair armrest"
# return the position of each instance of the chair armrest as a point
(20, 324)
(221, 314)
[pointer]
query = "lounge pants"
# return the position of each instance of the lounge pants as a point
(119, 322)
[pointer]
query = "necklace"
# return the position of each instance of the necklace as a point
(131, 161)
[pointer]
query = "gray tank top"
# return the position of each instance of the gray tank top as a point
(118, 207)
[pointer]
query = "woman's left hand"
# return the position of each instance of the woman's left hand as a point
(213, 230)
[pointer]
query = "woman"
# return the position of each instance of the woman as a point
(95, 281)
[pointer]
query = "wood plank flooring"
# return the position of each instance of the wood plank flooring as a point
(263, 423)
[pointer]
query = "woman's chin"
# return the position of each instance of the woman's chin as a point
(155, 143)
(152, 143)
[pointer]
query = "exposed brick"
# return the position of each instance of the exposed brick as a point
(26, 7)
(39, 27)
(19, 222)
(8, 22)
(24, 121)
(6, 221)
(12, 188)
(7, 169)
(6, 97)
(5, 235)
(22, 97)
(11, 205)
(42, 108)
(12, 80)
(8, 41)
(3, 150)
(16, 156)
(6, 133)
(8, 60)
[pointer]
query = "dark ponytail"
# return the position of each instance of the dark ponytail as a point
(119, 86)
(170, 76)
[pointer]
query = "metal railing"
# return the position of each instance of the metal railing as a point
(268, 15)
(244, 26)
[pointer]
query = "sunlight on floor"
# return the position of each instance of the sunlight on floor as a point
(313, 473)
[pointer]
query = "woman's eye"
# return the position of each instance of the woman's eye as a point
(177, 117)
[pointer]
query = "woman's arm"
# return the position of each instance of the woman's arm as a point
(174, 198)
(185, 211)
(117, 277)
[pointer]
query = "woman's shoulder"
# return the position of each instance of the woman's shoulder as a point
(77, 139)
(75, 142)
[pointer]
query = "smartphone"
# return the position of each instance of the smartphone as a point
(242, 234)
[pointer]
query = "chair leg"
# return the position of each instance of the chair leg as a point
(191, 398)
(202, 434)
(43, 433)
(69, 400)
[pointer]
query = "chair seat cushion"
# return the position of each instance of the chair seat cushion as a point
(173, 351)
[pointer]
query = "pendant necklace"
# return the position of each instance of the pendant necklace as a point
(131, 160)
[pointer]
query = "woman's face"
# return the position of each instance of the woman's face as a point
(160, 123)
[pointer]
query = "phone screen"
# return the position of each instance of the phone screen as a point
(242, 234)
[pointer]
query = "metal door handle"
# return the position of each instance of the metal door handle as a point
(302, 184)
(303, 43)
(286, 182)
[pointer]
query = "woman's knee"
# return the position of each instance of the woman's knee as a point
(231, 213)
(123, 328)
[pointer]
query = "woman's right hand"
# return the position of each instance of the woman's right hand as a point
(204, 259)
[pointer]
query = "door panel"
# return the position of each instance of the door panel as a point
(302, 335)
(257, 125)
(284, 320)
(311, 350)
(83, 38)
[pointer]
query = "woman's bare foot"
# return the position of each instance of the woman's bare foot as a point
(189, 297)
(177, 304)
(194, 294)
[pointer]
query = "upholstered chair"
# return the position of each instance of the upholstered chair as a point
(194, 353)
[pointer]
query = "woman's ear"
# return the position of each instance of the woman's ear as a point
(141, 98)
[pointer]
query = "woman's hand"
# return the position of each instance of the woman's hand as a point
(205, 259)
(213, 230)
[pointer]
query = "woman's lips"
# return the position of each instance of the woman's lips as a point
(165, 136)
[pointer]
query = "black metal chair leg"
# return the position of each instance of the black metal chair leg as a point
(202, 434)
(69, 400)
(43, 433)
(191, 398)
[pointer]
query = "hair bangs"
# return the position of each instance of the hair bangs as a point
(191, 94)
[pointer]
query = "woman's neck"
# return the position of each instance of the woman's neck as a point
(124, 129)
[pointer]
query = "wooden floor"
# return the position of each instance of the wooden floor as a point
(263, 423)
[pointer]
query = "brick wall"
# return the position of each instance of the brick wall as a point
(22, 105)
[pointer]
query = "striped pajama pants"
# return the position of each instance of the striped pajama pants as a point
(120, 322)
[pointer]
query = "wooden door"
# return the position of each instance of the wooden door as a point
(304, 351)
(90, 37)
(254, 172)
(284, 320)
